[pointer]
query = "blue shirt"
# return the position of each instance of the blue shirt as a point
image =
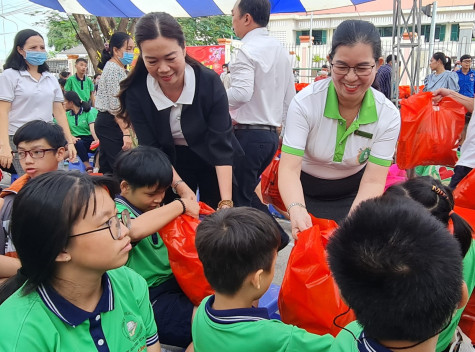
(466, 83)
(383, 79)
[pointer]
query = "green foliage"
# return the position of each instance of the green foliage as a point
(61, 33)
(206, 30)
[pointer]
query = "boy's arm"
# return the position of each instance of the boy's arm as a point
(8, 267)
(152, 221)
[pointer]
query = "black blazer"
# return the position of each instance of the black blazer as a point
(206, 124)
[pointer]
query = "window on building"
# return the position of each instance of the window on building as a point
(319, 36)
(385, 31)
(439, 32)
(454, 32)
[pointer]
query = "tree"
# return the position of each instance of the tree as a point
(206, 30)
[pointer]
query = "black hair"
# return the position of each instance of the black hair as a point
(97, 75)
(258, 9)
(144, 167)
(118, 39)
(465, 57)
(352, 32)
(398, 268)
(446, 61)
(233, 243)
(81, 59)
(74, 98)
(438, 199)
(389, 58)
(149, 27)
(15, 60)
(38, 240)
(62, 82)
(38, 129)
(64, 74)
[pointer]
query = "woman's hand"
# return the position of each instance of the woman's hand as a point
(192, 207)
(299, 220)
(185, 192)
(438, 94)
(72, 152)
(127, 142)
(6, 156)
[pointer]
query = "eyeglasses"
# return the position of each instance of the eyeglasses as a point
(467, 61)
(35, 154)
(360, 70)
(113, 224)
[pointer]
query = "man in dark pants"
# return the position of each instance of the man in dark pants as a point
(262, 87)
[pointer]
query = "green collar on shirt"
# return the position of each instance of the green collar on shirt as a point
(366, 116)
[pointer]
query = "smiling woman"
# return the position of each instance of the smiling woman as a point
(340, 133)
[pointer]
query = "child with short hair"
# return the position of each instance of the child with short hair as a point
(145, 173)
(400, 270)
(238, 249)
(40, 146)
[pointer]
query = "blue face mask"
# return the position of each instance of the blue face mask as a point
(36, 58)
(127, 58)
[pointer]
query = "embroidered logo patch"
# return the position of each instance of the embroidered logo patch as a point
(363, 155)
(131, 327)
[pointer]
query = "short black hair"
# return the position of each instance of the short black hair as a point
(80, 59)
(39, 129)
(62, 82)
(233, 243)
(389, 58)
(144, 167)
(465, 57)
(15, 60)
(258, 9)
(64, 74)
(398, 268)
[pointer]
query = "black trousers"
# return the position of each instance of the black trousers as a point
(459, 173)
(111, 141)
(82, 147)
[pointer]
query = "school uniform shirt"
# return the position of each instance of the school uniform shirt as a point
(262, 82)
(467, 150)
(345, 341)
(316, 131)
(79, 124)
(83, 87)
(467, 83)
(149, 257)
(446, 79)
(43, 320)
(109, 86)
(250, 330)
(31, 99)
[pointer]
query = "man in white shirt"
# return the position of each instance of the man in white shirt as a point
(262, 87)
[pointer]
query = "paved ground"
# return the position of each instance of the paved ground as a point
(283, 255)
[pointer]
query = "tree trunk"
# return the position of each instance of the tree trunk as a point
(132, 23)
(104, 25)
(122, 27)
(87, 40)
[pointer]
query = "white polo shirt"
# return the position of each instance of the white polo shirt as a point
(30, 99)
(316, 131)
(162, 102)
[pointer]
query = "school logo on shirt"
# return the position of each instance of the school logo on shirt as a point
(131, 327)
(363, 155)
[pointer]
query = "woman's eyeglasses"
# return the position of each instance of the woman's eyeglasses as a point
(113, 224)
(360, 70)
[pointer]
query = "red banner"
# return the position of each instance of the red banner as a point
(212, 56)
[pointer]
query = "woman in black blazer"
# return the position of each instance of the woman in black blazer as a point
(176, 104)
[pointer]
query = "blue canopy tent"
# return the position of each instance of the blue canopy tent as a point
(182, 8)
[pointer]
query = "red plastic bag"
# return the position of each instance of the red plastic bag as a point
(269, 183)
(467, 321)
(429, 134)
(464, 193)
(179, 238)
(309, 297)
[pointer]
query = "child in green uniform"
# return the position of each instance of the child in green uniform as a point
(238, 249)
(400, 270)
(80, 83)
(438, 199)
(81, 118)
(68, 294)
(145, 173)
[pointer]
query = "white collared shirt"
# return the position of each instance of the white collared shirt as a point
(467, 151)
(262, 82)
(162, 102)
(31, 99)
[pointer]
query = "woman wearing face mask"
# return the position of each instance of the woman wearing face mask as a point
(112, 133)
(28, 92)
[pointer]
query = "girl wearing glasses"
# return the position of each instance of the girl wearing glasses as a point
(67, 295)
(340, 133)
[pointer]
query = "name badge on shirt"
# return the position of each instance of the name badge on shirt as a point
(363, 134)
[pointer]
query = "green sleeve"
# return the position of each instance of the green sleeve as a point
(91, 116)
(141, 293)
(91, 85)
(303, 341)
(68, 85)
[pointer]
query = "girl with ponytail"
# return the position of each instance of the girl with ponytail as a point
(442, 76)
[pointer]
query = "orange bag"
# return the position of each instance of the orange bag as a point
(464, 193)
(309, 297)
(269, 184)
(429, 134)
(179, 238)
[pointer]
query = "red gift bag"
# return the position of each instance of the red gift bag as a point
(429, 134)
(464, 193)
(179, 238)
(269, 183)
(309, 297)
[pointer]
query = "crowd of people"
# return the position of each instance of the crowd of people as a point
(82, 260)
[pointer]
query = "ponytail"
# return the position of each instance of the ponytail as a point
(448, 64)
(73, 97)
(105, 56)
(462, 232)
